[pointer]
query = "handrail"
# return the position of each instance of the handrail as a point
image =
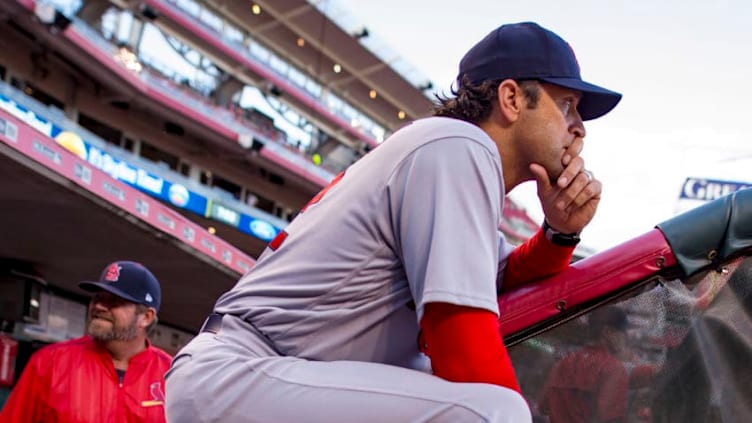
(584, 281)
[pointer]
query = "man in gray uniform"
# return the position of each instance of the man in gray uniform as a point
(325, 327)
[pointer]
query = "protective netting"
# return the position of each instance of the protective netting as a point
(674, 351)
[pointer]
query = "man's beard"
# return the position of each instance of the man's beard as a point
(114, 332)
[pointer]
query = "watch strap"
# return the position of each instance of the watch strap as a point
(558, 238)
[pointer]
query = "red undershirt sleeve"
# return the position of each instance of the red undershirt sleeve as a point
(465, 345)
(534, 259)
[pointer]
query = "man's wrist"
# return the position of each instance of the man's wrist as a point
(558, 238)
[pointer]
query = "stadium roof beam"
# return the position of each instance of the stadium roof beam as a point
(282, 22)
(232, 63)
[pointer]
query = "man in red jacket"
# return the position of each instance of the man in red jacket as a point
(591, 384)
(113, 374)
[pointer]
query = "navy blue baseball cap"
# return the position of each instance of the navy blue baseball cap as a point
(528, 51)
(128, 280)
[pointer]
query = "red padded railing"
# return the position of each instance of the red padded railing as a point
(584, 281)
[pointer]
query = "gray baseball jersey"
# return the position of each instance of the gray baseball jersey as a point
(324, 327)
(414, 221)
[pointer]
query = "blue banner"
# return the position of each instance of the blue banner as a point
(259, 228)
(149, 183)
(154, 185)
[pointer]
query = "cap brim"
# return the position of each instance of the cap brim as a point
(99, 286)
(595, 102)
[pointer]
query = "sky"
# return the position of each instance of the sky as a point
(683, 67)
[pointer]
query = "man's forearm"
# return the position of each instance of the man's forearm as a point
(534, 259)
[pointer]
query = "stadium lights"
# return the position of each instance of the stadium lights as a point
(256, 9)
(337, 68)
(128, 59)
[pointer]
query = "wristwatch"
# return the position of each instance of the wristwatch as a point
(558, 238)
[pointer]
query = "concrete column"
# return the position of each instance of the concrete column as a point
(71, 100)
(136, 34)
(194, 173)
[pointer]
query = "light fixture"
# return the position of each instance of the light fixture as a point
(372, 94)
(48, 15)
(363, 33)
(301, 42)
(427, 86)
(45, 12)
(337, 68)
(149, 13)
(211, 230)
(128, 59)
(401, 115)
(256, 9)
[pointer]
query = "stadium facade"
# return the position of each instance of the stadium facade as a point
(184, 135)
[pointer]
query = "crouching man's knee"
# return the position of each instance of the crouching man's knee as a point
(494, 404)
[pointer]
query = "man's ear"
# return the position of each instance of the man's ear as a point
(147, 317)
(511, 99)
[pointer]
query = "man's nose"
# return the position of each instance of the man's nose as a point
(578, 127)
(99, 304)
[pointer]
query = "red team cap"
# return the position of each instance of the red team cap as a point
(130, 281)
(528, 51)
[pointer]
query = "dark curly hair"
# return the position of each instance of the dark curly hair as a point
(473, 102)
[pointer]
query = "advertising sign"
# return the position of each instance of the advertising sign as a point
(137, 202)
(705, 189)
(147, 182)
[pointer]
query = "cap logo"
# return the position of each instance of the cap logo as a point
(148, 298)
(112, 274)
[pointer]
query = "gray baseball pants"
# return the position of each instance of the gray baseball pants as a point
(236, 376)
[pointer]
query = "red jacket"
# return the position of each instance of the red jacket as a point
(76, 381)
(589, 385)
